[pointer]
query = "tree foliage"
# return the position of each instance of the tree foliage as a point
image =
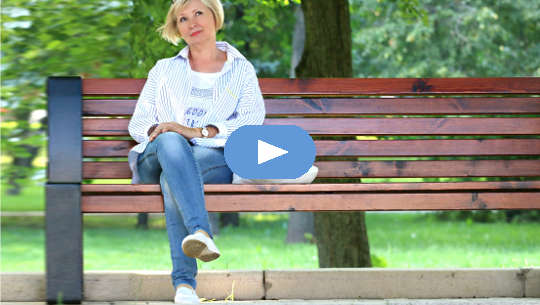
(48, 37)
(462, 38)
(391, 38)
(104, 39)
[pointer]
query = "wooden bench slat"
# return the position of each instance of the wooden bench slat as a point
(415, 126)
(366, 126)
(429, 148)
(372, 169)
(369, 148)
(348, 86)
(108, 107)
(324, 202)
(366, 106)
(408, 169)
(107, 189)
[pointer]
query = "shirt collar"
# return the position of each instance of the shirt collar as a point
(232, 52)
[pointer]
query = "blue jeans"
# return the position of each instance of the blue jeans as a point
(181, 169)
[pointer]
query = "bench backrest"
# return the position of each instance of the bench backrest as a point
(371, 129)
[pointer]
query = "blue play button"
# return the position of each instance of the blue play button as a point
(270, 152)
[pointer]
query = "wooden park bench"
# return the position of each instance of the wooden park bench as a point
(426, 132)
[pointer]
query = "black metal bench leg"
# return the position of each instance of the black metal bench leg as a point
(64, 244)
(63, 191)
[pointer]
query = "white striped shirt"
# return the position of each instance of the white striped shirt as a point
(237, 100)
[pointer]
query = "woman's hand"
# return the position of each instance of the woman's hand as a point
(185, 131)
(190, 133)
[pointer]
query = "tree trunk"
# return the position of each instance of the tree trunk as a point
(342, 239)
(327, 48)
(299, 37)
(341, 236)
(232, 219)
(213, 218)
(142, 221)
(23, 164)
(299, 223)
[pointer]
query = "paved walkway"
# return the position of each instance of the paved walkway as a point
(489, 301)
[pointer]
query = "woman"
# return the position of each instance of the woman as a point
(188, 107)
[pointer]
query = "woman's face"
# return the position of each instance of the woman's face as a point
(196, 23)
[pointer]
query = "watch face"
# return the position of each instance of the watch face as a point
(204, 132)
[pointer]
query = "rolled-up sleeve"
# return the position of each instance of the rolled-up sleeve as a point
(145, 114)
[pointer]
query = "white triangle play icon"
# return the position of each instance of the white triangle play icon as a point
(267, 152)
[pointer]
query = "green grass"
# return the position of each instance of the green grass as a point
(32, 198)
(404, 240)
(419, 241)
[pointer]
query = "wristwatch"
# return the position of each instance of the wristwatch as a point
(205, 132)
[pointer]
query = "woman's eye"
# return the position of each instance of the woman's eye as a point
(198, 13)
(182, 19)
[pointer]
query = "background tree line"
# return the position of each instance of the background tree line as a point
(390, 38)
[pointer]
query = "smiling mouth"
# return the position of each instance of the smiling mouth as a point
(195, 33)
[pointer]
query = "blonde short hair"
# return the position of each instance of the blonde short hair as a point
(169, 31)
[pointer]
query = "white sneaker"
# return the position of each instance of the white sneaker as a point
(199, 246)
(185, 295)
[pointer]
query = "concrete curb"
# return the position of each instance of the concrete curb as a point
(313, 284)
(378, 283)
(137, 285)
(532, 282)
(148, 286)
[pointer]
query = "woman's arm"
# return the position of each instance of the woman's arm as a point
(145, 114)
(188, 132)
